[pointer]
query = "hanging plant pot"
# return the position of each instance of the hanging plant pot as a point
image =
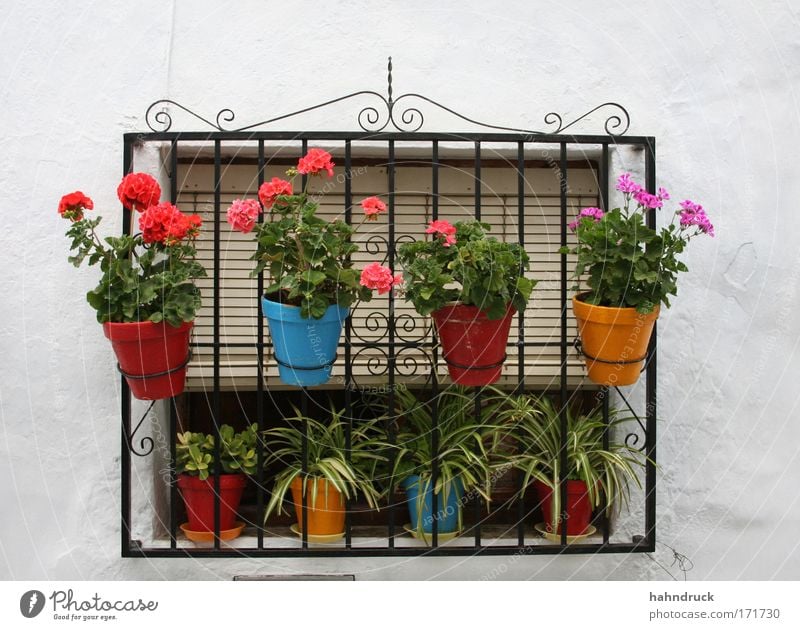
(578, 509)
(420, 509)
(305, 349)
(473, 345)
(198, 497)
(325, 516)
(613, 341)
(152, 357)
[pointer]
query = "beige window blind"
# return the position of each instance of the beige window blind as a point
(413, 210)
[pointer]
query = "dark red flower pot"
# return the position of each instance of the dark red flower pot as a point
(152, 357)
(198, 497)
(579, 508)
(473, 345)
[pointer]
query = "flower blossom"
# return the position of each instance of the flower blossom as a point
(72, 205)
(626, 185)
(243, 214)
(138, 191)
(164, 223)
(594, 213)
(646, 200)
(315, 161)
(445, 229)
(269, 191)
(376, 276)
(693, 214)
(373, 207)
(662, 194)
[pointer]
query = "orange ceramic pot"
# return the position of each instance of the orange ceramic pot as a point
(326, 516)
(614, 341)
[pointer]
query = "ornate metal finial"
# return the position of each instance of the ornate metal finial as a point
(386, 113)
(390, 80)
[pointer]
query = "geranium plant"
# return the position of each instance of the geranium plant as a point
(148, 276)
(308, 258)
(630, 265)
(461, 263)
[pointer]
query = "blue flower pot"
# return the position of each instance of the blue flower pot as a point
(304, 348)
(446, 511)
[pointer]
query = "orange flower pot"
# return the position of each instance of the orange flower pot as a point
(326, 516)
(614, 341)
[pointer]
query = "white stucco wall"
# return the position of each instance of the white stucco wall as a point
(716, 83)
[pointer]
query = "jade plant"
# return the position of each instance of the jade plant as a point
(194, 452)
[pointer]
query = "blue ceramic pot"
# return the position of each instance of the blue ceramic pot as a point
(422, 508)
(304, 348)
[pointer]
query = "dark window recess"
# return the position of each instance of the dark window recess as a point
(224, 395)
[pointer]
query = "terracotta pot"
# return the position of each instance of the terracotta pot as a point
(198, 497)
(473, 345)
(326, 516)
(578, 509)
(614, 341)
(152, 357)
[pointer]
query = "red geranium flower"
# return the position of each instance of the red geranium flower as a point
(72, 205)
(269, 192)
(314, 161)
(138, 191)
(164, 223)
(373, 207)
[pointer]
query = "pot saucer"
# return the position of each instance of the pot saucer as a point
(428, 538)
(556, 538)
(320, 539)
(225, 534)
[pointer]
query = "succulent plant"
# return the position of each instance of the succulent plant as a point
(194, 452)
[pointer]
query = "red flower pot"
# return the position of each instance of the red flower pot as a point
(198, 497)
(152, 357)
(473, 345)
(578, 508)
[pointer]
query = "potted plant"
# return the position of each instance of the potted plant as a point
(312, 280)
(333, 473)
(194, 462)
(472, 285)
(146, 299)
(464, 467)
(632, 269)
(593, 472)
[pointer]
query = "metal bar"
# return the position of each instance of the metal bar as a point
(125, 398)
(477, 169)
(376, 344)
(366, 136)
(435, 360)
(391, 323)
(520, 328)
(605, 392)
(477, 508)
(348, 367)
(217, 321)
(304, 410)
(173, 478)
(564, 464)
(377, 552)
(651, 394)
(260, 376)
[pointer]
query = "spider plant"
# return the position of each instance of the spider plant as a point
(535, 423)
(349, 472)
(465, 445)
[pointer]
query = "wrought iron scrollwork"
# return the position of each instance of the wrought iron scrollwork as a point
(386, 112)
(146, 444)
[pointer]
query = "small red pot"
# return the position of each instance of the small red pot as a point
(473, 345)
(152, 357)
(578, 508)
(198, 497)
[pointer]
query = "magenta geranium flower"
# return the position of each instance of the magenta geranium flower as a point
(593, 213)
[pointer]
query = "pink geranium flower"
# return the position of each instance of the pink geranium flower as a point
(594, 213)
(376, 276)
(373, 207)
(445, 229)
(314, 162)
(243, 214)
(693, 214)
(626, 185)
